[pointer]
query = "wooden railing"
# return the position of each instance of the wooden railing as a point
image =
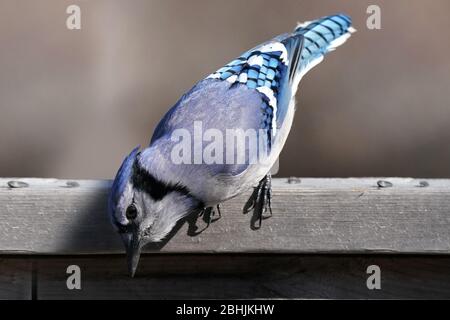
(323, 235)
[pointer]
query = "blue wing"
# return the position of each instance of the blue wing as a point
(256, 89)
(275, 68)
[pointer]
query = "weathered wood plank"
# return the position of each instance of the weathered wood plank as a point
(246, 276)
(15, 279)
(314, 216)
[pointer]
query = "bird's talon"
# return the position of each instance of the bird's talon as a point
(219, 214)
(260, 202)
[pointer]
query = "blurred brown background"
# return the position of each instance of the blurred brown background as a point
(73, 103)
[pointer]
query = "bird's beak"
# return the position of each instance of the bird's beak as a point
(132, 242)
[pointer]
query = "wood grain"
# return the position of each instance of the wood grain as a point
(49, 216)
(15, 278)
(246, 276)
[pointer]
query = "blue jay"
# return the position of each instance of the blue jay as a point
(151, 192)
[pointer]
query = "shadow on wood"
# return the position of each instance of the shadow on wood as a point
(231, 276)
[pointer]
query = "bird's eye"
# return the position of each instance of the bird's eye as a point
(131, 213)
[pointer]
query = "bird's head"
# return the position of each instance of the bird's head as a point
(143, 208)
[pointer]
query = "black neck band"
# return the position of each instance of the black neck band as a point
(155, 188)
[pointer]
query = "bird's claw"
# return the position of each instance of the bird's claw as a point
(260, 202)
(208, 215)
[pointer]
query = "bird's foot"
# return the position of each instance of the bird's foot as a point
(260, 202)
(209, 215)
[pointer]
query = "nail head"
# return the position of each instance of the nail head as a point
(294, 180)
(17, 184)
(72, 184)
(384, 184)
(423, 184)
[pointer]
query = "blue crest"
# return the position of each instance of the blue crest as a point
(121, 179)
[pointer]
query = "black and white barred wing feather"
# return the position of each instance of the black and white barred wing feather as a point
(276, 67)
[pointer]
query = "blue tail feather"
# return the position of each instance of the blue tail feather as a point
(318, 37)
